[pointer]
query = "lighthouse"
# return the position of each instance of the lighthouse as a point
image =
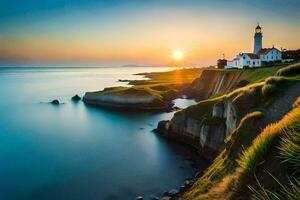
(257, 39)
(258, 58)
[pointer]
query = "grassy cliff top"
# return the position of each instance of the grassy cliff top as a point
(180, 76)
(161, 83)
(256, 75)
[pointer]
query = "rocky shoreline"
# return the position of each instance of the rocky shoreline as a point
(148, 107)
(196, 160)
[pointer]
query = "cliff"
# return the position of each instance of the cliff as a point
(161, 88)
(222, 128)
(215, 82)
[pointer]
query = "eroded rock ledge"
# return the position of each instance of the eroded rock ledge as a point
(206, 125)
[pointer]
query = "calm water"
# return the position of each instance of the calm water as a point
(73, 151)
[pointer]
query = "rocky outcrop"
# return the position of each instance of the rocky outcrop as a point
(203, 135)
(206, 133)
(131, 99)
(218, 110)
(230, 115)
(55, 102)
(76, 98)
(145, 98)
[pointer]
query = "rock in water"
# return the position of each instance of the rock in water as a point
(152, 197)
(76, 98)
(139, 198)
(173, 192)
(162, 127)
(55, 102)
(182, 188)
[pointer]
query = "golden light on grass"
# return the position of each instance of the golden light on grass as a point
(178, 55)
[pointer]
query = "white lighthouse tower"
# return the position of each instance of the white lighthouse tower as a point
(257, 39)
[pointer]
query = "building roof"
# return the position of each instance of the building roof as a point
(252, 55)
(258, 27)
(265, 51)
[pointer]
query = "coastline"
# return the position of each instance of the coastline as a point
(205, 127)
(156, 93)
(130, 107)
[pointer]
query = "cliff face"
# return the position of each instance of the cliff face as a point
(208, 132)
(213, 82)
(118, 99)
(207, 124)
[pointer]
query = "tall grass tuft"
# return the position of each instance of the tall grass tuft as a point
(297, 103)
(268, 90)
(290, 70)
(290, 147)
(272, 85)
(291, 191)
(255, 154)
(275, 80)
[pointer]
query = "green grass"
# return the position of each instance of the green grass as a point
(161, 85)
(258, 75)
(132, 92)
(244, 134)
(201, 111)
(180, 76)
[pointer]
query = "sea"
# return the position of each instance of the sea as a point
(77, 152)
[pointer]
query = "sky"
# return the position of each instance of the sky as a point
(142, 32)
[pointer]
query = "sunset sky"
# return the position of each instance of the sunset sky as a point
(111, 32)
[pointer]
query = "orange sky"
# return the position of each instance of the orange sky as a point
(142, 36)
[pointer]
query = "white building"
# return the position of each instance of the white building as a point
(270, 55)
(244, 59)
(259, 57)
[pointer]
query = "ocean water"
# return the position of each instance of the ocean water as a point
(73, 151)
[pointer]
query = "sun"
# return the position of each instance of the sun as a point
(178, 55)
